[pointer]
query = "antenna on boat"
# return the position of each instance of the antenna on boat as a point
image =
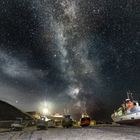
(130, 95)
(127, 95)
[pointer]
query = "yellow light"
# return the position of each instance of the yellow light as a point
(45, 111)
(45, 108)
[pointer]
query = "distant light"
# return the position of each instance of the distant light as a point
(45, 107)
(58, 115)
(45, 111)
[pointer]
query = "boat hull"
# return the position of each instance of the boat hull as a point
(85, 121)
(129, 119)
(130, 122)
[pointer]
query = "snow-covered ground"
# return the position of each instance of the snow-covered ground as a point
(94, 133)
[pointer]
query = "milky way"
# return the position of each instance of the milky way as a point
(75, 54)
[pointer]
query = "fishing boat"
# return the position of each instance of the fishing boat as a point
(128, 113)
(85, 120)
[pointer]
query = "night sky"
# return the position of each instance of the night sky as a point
(72, 55)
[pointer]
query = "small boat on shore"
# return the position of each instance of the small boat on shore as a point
(85, 120)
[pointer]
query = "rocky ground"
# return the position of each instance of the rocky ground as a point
(90, 133)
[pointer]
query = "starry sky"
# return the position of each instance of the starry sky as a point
(69, 55)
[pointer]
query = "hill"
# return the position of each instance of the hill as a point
(9, 112)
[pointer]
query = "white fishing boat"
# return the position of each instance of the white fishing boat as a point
(128, 113)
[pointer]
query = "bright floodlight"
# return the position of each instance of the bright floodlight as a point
(45, 108)
(45, 111)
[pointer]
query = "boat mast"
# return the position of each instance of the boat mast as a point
(130, 95)
(127, 95)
